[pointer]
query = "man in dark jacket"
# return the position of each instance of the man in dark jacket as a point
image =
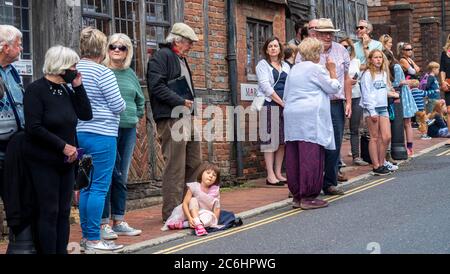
(181, 157)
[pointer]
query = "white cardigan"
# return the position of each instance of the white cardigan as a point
(307, 114)
(264, 72)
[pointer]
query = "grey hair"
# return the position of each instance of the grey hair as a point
(58, 59)
(171, 38)
(8, 34)
(369, 25)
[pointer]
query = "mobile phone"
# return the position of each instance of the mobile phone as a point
(356, 76)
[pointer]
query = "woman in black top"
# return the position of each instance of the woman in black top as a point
(444, 75)
(52, 110)
(405, 54)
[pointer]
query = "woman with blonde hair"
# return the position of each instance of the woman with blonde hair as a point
(306, 98)
(375, 88)
(444, 75)
(52, 110)
(386, 41)
(118, 59)
(98, 136)
(405, 53)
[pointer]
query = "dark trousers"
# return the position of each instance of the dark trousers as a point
(332, 157)
(182, 159)
(355, 123)
(54, 188)
(304, 169)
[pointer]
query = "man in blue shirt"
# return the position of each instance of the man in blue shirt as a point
(365, 44)
(10, 49)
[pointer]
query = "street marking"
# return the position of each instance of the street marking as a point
(269, 219)
(445, 152)
(263, 221)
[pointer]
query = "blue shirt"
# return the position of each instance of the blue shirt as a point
(373, 44)
(433, 86)
(15, 89)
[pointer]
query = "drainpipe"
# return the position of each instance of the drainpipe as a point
(443, 37)
(312, 9)
(232, 74)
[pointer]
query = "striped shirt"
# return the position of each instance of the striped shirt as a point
(104, 94)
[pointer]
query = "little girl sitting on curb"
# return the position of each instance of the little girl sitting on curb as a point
(201, 204)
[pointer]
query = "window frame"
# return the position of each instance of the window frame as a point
(256, 46)
(140, 23)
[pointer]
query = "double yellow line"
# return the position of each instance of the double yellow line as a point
(268, 220)
(446, 153)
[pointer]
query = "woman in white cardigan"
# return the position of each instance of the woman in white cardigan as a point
(272, 73)
(308, 126)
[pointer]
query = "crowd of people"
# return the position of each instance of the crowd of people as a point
(92, 103)
(330, 82)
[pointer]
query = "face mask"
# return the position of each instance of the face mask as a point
(69, 76)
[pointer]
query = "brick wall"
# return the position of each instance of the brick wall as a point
(210, 69)
(380, 16)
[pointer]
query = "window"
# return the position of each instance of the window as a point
(97, 14)
(126, 19)
(257, 34)
(157, 23)
(17, 13)
(130, 17)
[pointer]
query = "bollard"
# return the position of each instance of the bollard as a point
(398, 148)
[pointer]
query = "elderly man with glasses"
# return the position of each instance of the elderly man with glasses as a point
(365, 44)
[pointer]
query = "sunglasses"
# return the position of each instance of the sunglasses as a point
(407, 49)
(360, 28)
(346, 46)
(121, 48)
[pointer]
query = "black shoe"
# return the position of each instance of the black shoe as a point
(276, 184)
(381, 170)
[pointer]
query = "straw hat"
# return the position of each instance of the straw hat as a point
(325, 25)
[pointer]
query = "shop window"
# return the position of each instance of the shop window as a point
(257, 34)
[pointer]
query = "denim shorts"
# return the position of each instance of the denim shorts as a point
(380, 111)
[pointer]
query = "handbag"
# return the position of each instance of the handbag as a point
(258, 103)
(84, 172)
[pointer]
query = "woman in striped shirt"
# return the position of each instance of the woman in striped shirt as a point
(98, 136)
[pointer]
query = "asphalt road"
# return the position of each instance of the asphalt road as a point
(407, 212)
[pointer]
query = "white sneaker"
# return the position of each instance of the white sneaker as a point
(101, 246)
(425, 137)
(123, 229)
(107, 233)
(390, 166)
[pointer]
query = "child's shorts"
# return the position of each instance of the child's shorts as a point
(380, 111)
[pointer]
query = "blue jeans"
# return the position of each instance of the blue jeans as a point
(117, 195)
(332, 157)
(92, 199)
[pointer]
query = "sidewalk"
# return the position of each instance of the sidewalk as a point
(253, 198)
